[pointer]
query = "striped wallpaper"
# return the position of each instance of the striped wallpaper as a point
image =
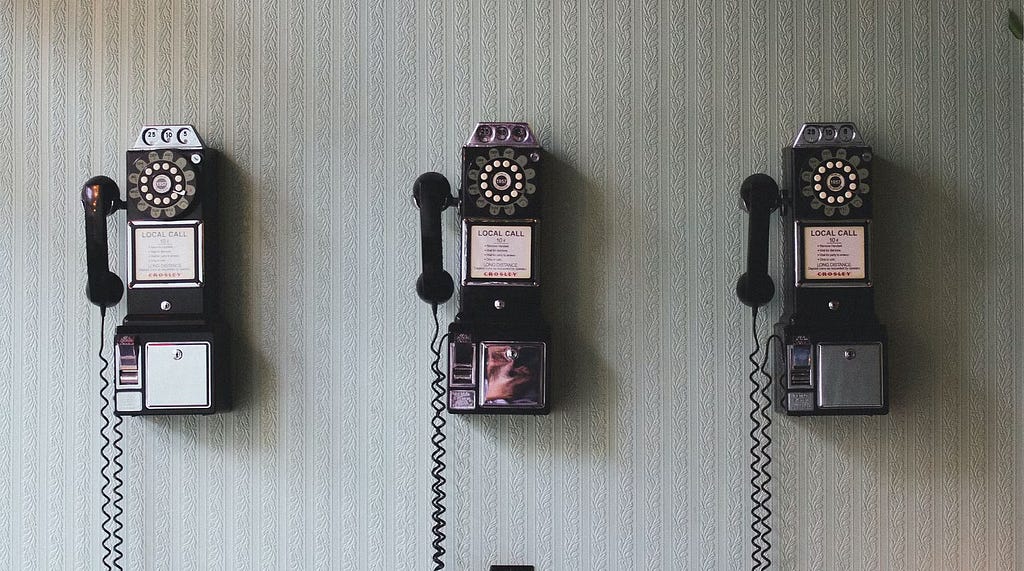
(325, 112)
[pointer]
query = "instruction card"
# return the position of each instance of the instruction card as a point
(834, 253)
(500, 252)
(165, 253)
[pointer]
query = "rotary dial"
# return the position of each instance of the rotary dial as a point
(502, 181)
(163, 184)
(836, 182)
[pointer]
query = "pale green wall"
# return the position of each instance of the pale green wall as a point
(327, 111)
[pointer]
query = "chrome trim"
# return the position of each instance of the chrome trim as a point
(199, 250)
(479, 137)
(182, 137)
(532, 281)
(798, 253)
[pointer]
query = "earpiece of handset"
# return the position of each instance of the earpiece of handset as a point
(432, 194)
(760, 196)
(100, 198)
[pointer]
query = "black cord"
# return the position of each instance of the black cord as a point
(760, 453)
(437, 440)
(111, 452)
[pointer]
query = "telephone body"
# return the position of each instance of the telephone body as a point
(169, 354)
(832, 355)
(499, 343)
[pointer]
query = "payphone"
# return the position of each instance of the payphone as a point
(830, 355)
(168, 352)
(498, 344)
(831, 359)
(498, 347)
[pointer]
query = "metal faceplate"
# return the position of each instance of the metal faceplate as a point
(850, 375)
(177, 375)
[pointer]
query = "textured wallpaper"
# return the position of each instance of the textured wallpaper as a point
(325, 112)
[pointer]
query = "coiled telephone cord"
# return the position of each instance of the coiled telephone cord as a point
(760, 453)
(437, 440)
(111, 452)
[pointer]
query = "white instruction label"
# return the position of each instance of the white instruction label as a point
(500, 252)
(834, 253)
(165, 253)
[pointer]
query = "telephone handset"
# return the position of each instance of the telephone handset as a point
(498, 344)
(100, 199)
(831, 359)
(432, 194)
(168, 350)
(760, 196)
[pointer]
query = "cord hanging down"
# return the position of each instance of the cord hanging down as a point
(111, 453)
(437, 440)
(760, 453)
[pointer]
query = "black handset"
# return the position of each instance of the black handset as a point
(432, 194)
(832, 357)
(169, 353)
(760, 196)
(100, 199)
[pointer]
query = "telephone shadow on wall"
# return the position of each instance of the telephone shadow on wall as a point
(239, 283)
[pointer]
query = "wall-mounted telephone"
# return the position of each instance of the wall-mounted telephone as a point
(830, 353)
(831, 359)
(168, 352)
(498, 345)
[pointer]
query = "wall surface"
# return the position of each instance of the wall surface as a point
(654, 111)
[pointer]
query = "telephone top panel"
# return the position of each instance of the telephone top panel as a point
(830, 179)
(500, 169)
(506, 134)
(182, 137)
(164, 168)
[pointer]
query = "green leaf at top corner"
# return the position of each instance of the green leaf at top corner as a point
(1016, 27)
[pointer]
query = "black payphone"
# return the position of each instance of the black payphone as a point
(831, 359)
(168, 353)
(499, 344)
(830, 355)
